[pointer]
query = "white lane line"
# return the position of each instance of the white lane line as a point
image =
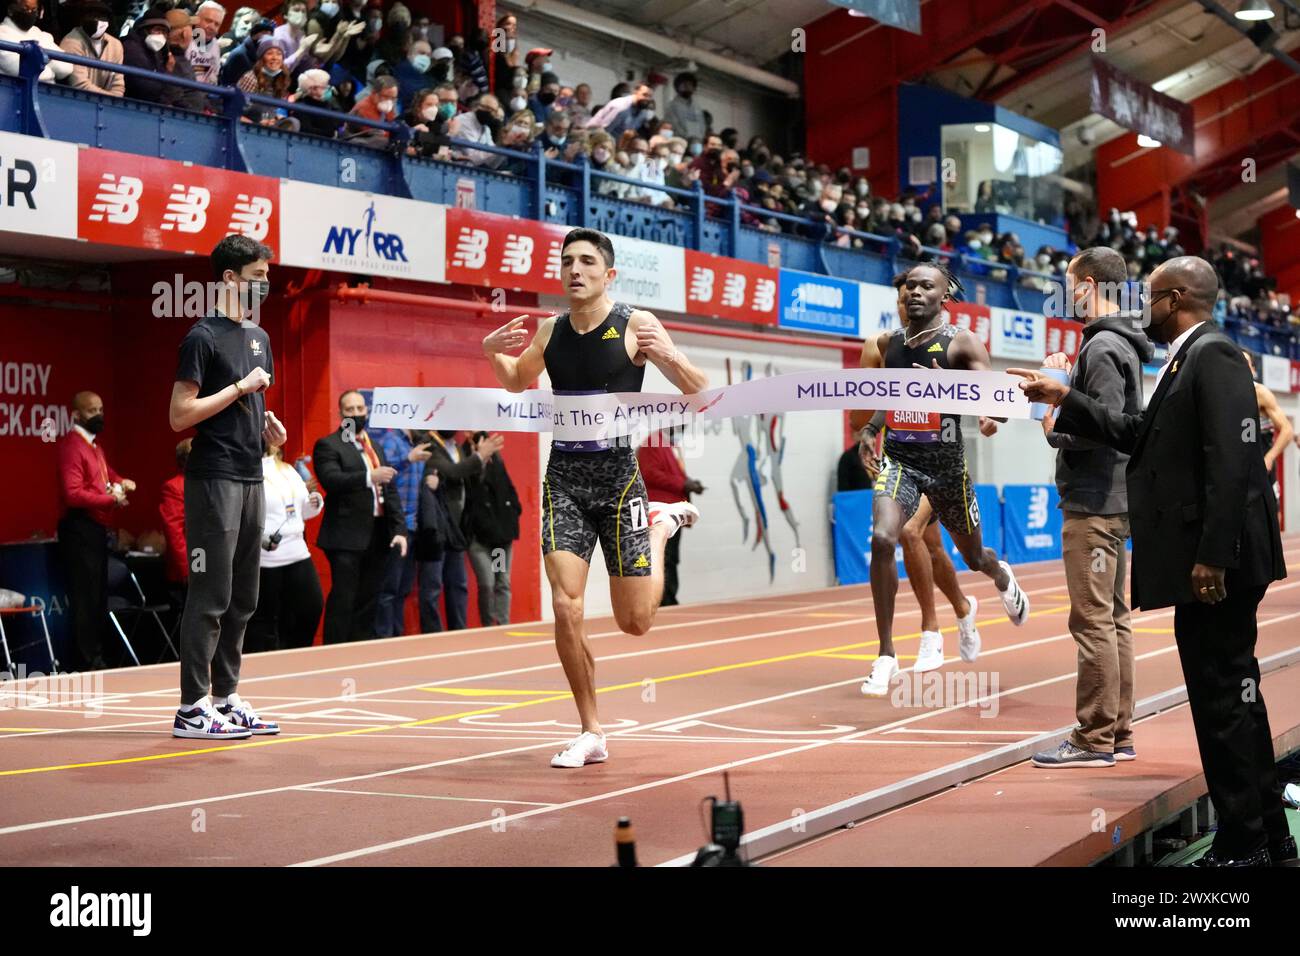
(551, 665)
(114, 814)
(427, 796)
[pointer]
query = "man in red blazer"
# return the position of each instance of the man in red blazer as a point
(90, 492)
(665, 480)
(172, 511)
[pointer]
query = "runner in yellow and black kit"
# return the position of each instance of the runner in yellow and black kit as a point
(924, 455)
(593, 490)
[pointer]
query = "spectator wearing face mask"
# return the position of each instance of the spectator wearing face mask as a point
(20, 25)
(427, 119)
(145, 47)
(242, 57)
(443, 66)
(180, 34)
(380, 104)
(294, 29)
(92, 39)
(268, 77)
(544, 102)
(624, 112)
(648, 170)
(413, 72)
(600, 150)
(314, 90)
(517, 134)
(480, 125)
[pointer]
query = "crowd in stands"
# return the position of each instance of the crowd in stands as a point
(359, 58)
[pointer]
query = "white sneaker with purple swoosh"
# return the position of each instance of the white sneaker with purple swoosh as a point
(238, 712)
(202, 722)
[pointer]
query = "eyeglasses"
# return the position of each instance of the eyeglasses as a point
(1153, 294)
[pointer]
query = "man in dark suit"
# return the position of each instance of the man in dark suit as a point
(1205, 540)
(363, 520)
(455, 465)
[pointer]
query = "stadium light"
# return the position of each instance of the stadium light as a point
(1146, 142)
(1254, 10)
(982, 127)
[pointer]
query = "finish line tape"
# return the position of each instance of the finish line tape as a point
(581, 418)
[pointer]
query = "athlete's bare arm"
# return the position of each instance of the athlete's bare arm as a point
(968, 352)
(872, 356)
(652, 341)
(1282, 430)
(516, 373)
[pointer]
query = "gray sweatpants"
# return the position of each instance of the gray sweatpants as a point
(492, 573)
(223, 537)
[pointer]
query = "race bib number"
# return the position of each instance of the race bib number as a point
(640, 519)
(913, 426)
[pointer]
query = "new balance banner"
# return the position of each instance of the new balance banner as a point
(1063, 335)
(348, 231)
(503, 252)
(730, 288)
(1031, 523)
(975, 318)
(34, 196)
(149, 203)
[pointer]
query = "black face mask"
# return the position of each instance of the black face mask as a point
(23, 19)
(94, 425)
(487, 118)
(359, 422)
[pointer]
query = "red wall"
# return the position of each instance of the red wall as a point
(321, 347)
(1279, 239)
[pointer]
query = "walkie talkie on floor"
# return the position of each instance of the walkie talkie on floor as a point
(727, 826)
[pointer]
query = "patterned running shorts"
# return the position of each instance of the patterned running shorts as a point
(597, 496)
(939, 474)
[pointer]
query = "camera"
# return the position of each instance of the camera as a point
(271, 543)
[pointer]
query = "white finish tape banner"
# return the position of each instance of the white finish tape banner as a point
(586, 418)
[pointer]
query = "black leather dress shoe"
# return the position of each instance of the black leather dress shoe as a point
(1213, 861)
(1284, 853)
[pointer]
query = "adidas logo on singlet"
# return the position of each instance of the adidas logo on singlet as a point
(936, 347)
(609, 334)
(641, 562)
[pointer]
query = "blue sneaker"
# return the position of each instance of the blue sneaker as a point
(1126, 753)
(1068, 755)
(238, 712)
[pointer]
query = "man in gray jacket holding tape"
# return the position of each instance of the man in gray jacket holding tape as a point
(1094, 496)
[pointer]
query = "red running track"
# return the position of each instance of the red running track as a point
(434, 750)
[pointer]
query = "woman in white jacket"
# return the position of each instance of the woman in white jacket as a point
(289, 602)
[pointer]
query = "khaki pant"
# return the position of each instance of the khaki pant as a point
(1095, 568)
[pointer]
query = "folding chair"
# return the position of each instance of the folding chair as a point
(37, 608)
(126, 598)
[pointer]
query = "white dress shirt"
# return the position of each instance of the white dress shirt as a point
(1174, 346)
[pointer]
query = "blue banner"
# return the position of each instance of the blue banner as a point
(1031, 523)
(904, 14)
(990, 504)
(852, 537)
(816, 303)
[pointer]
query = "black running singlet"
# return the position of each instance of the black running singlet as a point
(922, 427)
(594, 361)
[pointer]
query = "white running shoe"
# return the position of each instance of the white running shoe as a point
(682, 514)
(882, 672)
(968, 640)
(1014, 600)
(583, 749)
(930, 656)
(204, 723)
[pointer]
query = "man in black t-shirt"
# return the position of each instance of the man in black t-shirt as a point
(223, 369)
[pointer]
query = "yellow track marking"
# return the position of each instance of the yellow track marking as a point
(496, 709)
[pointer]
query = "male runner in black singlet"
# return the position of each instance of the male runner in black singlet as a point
(593, 490)
(924, 455)
(1275, 429)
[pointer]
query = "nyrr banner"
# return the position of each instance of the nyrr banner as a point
(601, 416)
